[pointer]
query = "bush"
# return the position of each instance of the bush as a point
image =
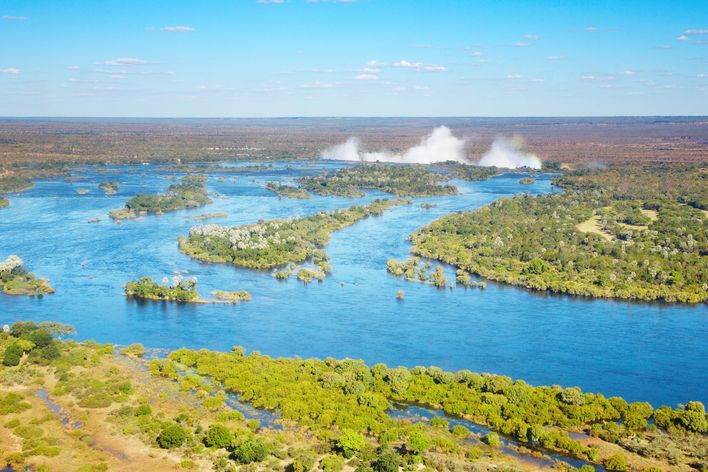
(418, 442)
(172, 436)
(616, 463)
(332, 464)
(350, 442)
(304, 462)
(134, 350)
(143, 410)
(250, 450)
(387, 461)
(492, 439)
(218, 436)
(13, 354)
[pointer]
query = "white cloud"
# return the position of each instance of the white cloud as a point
(371, 70)
(554, 58)
(14, 18)
(521, 45)
(537, 81)
(178, 29)
(271, 1)
(513, 76)
(124, 61)
(591, 29)
(627, 72)
(532, 37)
(10, 71)
(74, 67)
(119, 76)
(683, 37)
(694, 32)
(475, 53)
(367, 77)
(419, 66)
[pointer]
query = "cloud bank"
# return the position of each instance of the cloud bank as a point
(438, 146)
(509, 153)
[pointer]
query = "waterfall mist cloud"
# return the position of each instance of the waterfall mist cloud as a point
(510, 154)
(438, 146)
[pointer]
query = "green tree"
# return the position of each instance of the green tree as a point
(616, 463)
(218, 436)
(172, 436)
(418, 442)
(332, 464)
(387, 461)
(350, 442)
(250, 450)
(13, 354)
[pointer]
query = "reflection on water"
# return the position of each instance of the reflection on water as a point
(617, 348)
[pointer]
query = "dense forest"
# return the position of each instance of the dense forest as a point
(641, 238)
(88, 407)
(191, 193)
(277, 243)
(403, 181)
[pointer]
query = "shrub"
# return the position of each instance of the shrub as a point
(172, 436)
(418, 442)
(304, 462)
(492, 439)
(218, 436)
(332, 464)
(616, 463)
(143, 410)
(250, 450)
(350, 442)
(134, 350)
(13, 354)
(387, 461)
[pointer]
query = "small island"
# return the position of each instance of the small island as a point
(16, 280)
(82, 191)
(182, 290)
(110, 188)
(278, 243)
(208, 216)
(287, 191)
(416, 271)
(402, 181)
(191, 193)
(4, 202)
(527, 180)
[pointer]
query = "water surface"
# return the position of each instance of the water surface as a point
(641, 351)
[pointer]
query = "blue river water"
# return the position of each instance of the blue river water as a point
(641, 351)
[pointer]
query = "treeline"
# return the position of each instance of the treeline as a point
(684, 183)
(191, 193)
(276, 243)
(12, 183)
(400, 180)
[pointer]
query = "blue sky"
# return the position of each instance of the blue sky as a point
(353, 58)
